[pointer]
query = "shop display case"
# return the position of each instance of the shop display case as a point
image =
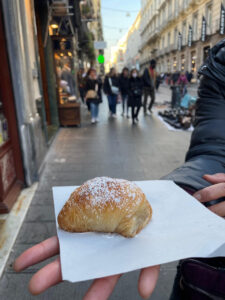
(68, 105)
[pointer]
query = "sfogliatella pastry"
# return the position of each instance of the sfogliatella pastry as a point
(106, 205)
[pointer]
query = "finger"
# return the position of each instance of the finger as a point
(102, 288)
(46, 277)
(213, 192)
(216, 178)
(219, 209)
(147, 281)
(36, 254)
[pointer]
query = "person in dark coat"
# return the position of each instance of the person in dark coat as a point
(111, 89)
(206, 155)
(124, 89)
(149, 82)
(93, 94)
(135, 94)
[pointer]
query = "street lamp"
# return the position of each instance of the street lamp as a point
(54, 24)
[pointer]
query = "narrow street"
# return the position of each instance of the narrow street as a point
(111, 148)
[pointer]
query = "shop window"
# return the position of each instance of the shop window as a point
(182, 62)
(205, 53)
(168, 66)
(193, 61)
(174, 64)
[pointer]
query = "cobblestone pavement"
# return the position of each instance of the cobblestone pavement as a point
(113, 148)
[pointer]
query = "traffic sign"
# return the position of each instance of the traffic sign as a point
(99, 45)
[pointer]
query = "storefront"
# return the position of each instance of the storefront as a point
(193, 62)
(174, 63)
(68, 107)
(11, 168)
(182, 62)
(58, 54)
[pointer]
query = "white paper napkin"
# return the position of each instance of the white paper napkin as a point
(181, 227)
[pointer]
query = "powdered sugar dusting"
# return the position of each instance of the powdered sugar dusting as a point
(104, 190)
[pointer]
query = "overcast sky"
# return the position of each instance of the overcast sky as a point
(119, 22)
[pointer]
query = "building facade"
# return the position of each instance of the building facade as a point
(133, 42)
(179, 33)
(126, 52)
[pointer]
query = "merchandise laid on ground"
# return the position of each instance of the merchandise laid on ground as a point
(181, 115)
(176, 120)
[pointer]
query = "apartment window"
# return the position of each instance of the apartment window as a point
(169, 8)
(195, 27)
(168, 39)
(209, 18)
(176, 6)
(186, 2)
(184, 33)
(175, 37)
(163, 42)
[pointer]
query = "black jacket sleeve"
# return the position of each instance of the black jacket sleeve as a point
(206, 154)
(146, 79)
(106, 86)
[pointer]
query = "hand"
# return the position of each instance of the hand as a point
(213, 192)
(50, 275)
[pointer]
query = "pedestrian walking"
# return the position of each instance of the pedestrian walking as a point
(175, 77)
(135, 94)
(124, 90)
(81, 78)
(93, 94)
(149, 82)
(111, 89)
(182, 82)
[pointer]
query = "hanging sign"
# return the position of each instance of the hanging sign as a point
(222, 20)
(190, 36)
(203, 36)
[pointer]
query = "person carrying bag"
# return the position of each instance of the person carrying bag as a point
(93, 95)
(111, 89)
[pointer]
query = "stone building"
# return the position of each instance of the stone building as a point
(133, 42)
(179, 33)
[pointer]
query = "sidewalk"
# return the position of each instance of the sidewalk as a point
(111, 148)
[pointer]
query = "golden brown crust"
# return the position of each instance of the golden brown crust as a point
(107, 205)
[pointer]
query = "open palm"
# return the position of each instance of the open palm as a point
(50, 275)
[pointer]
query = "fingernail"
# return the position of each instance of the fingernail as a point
(198, 196)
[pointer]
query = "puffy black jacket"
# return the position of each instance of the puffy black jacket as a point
(124, 84)
(206, 154)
